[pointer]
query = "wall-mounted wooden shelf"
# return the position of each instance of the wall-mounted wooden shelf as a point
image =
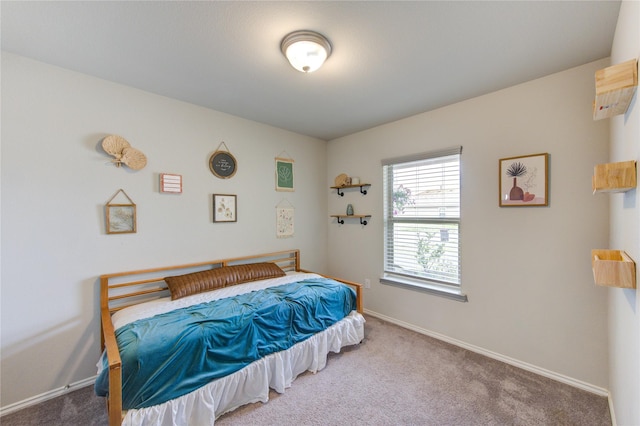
(362, 217)
(613, 268)
(360, 185)
(614, 177)
(615, 87)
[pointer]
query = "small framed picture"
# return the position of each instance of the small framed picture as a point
(121, 218)
(284, 174)
(524, 181)
(224, 208)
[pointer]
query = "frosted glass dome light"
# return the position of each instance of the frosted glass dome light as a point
(305, 50)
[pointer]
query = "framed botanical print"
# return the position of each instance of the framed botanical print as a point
(224, 208)
(120, 217)
(523, 181)
(284, 174)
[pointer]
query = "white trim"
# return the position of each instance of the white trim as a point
(612, 411)
(508, 360)
(424, 285)
(46, 396)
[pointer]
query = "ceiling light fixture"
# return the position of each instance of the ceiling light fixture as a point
(305, 50)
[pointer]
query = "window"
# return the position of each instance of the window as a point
(422, 222)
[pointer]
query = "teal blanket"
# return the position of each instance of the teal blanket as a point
(172, 354)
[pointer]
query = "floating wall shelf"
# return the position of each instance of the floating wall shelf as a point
(362, 217)
(613, 268)
(341, 217)
(615, 87)
(614, 177)
(360, 185)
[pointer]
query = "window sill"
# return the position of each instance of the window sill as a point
(425, 286)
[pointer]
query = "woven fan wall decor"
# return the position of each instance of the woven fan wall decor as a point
(123, 152)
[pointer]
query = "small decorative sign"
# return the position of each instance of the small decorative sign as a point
(222, 164)
(120, 218)
(170, 183)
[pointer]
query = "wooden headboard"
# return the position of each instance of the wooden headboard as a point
(122, 289)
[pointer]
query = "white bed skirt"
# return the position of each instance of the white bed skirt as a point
(251, 384)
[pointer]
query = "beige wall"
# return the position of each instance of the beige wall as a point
(624, 305)
(55, 182)
(526, 271)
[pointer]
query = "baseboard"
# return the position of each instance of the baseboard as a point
(508, 360)
(46, 396)
(612, 411)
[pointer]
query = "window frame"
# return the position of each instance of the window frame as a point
(434, 286)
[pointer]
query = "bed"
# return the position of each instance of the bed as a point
(185, 344)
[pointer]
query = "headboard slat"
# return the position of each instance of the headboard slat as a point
(123, 289)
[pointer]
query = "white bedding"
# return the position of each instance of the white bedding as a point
(251, 384)
(165, 304)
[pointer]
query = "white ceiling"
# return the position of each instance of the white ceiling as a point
(390, 59)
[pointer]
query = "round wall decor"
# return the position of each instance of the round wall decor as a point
(223, 164)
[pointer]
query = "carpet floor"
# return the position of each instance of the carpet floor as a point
(394, 377)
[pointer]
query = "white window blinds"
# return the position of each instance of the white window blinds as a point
(422, 217)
